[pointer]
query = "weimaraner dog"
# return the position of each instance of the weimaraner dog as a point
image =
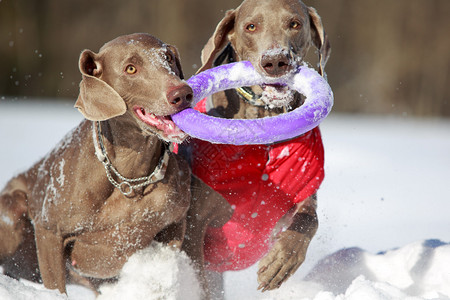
(274, 35)
(112, 185)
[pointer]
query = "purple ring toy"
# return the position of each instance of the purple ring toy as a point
(317, 105)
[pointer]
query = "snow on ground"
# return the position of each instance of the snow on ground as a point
(383, 209)
(177, 281)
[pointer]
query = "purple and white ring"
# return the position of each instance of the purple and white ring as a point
(268, 130)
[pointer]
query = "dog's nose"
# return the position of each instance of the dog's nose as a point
(276, 64)
(180, 96)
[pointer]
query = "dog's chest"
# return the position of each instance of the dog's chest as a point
(158, 205)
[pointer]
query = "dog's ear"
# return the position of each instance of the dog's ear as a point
(176, 56)
(319, 38)
(218, 40)
(97, 100)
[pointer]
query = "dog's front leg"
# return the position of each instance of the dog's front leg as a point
(51, 258)
(289, 251)
(173, 235)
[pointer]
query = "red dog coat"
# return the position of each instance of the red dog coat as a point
(261, 182)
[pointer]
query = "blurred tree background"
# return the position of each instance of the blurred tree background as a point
(388, 57)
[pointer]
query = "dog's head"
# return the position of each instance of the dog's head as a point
(273, 35)
(136, 76)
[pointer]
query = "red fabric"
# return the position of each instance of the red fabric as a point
(261, 182)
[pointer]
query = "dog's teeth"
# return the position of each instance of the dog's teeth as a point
(171, 126)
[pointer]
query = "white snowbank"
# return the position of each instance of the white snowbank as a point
(155, 273)
(11, 289)
(419, 270)
(386, 187)
(416, 271)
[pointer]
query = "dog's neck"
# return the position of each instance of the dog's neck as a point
(131, 153)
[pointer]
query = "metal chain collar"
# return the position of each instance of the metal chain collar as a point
(247, 94)
(126, 185)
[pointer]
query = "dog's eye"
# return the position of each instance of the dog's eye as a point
(294, 25)
(131, 69)
(169, 58)
(251, 27)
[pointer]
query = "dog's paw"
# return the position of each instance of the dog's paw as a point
(283, 260)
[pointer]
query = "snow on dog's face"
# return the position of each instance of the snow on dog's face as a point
(275, 43)
(135, 75)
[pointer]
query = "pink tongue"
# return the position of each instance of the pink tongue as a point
(168, 126)
(147, 118)
(164, 124)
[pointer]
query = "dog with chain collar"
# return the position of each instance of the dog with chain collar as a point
(111, 186)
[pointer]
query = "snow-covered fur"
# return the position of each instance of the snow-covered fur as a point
(77, 211)
(275, 43)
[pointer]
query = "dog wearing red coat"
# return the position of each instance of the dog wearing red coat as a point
(269, 186)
